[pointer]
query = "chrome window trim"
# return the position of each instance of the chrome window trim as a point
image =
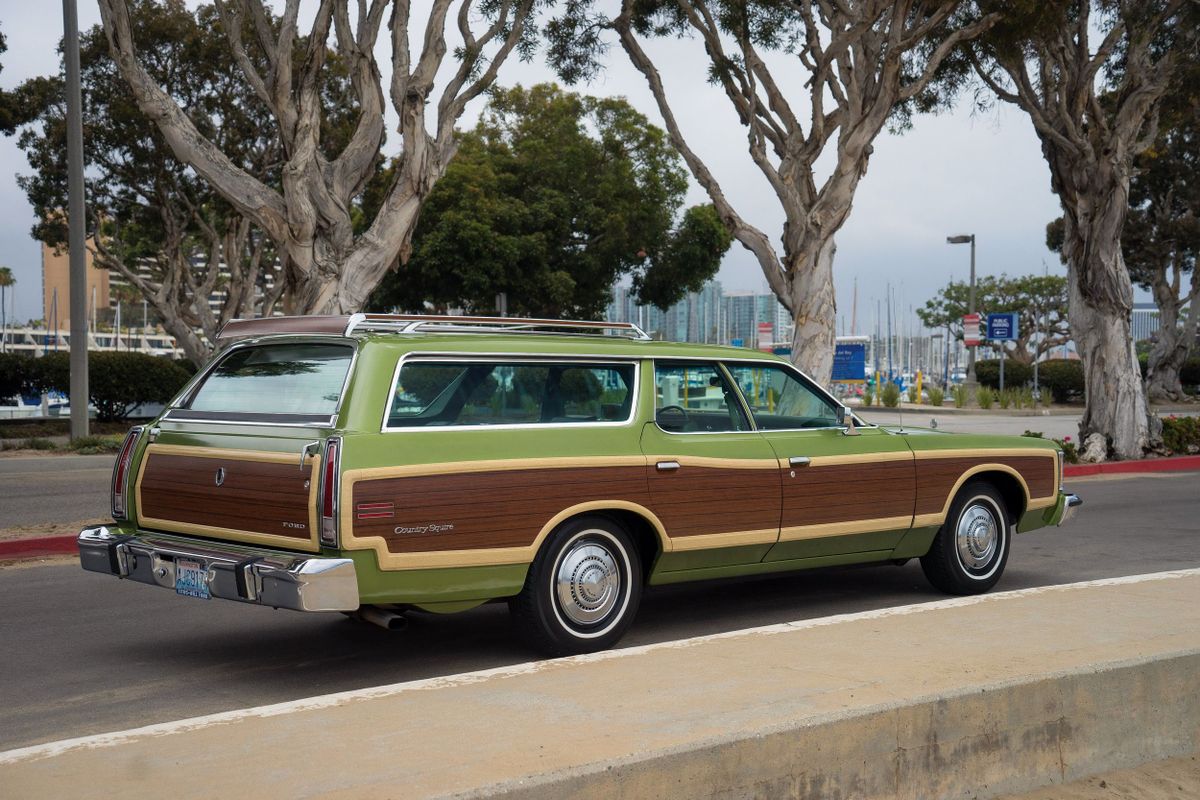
(185, 395)
(725, 375)
(519, 358)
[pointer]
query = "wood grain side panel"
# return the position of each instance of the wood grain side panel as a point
(936, 477)
(485, 509)
(820, 495)
(255, 497)
(698, 501)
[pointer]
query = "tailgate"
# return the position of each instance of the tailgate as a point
(237, 495)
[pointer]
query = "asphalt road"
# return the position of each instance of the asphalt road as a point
(84, 653)
(54, 489)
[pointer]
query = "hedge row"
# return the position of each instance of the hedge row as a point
(117, 382)
(1062, 377)
(1189, 373)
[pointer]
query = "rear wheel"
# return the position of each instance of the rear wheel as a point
(969, 552)
(582, 591)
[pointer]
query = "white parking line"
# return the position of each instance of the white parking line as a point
(51, 749)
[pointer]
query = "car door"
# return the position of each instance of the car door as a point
(842, 494)
(714, 482)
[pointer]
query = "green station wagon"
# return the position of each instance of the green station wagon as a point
(376, 464)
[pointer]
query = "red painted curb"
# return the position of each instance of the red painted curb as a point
(36, 548)
(1174, 464)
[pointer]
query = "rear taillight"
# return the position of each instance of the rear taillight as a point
(121, 472)
(329, 491)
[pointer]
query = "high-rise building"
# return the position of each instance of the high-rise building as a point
(708, 316)
(56, 287)
(1144, 322)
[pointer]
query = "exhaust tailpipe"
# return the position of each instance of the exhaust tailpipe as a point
(388, 620)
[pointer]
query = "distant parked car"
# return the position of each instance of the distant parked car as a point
(375, 464)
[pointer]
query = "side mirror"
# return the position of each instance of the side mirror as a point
(841, 415)
(846, 420)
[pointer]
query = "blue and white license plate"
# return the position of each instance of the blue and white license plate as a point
(189, 578)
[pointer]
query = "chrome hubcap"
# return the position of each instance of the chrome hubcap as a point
(588, 582)
(977, 537)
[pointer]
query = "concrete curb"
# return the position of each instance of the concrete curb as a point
(1173, 464)
(963, 698)
(40, 547)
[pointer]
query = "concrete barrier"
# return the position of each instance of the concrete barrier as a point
(964, 698)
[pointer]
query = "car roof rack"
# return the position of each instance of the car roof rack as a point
(427, 323)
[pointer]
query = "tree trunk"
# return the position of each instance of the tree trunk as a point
(1169, 353)
(1116, 419)
(814, 312)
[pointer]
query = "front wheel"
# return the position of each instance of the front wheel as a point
(969, 552)
(582, 591)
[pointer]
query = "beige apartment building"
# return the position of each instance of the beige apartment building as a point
(56, 287)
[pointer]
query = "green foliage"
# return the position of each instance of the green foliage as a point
(987, 372)
(890, 396)
(1181, 435)
(551, 199)
(936, 396)
(1189, 375)
(1005, 398)
(15, 372)
(117, 382)
(960, 396)
(986, 397)
(1040, 302)
(31, 444)
(868, 395)
(1026, 399)
(93, 445)
(1063, 378)
(913, 397)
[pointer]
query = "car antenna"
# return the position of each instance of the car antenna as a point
(900, 406)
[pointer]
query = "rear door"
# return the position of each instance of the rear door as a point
(714, 482)
(237, 458)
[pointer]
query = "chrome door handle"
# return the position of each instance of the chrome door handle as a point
(799, 461)
(667, 466)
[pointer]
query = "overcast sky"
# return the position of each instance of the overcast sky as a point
(956, 173)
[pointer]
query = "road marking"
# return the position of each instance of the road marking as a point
(51, 749)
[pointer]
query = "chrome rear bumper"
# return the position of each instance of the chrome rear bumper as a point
(231, 572)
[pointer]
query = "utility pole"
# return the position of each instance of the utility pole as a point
(75, 217)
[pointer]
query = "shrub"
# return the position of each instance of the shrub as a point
(987, 372)
(986, 397)
(31, 444)
(936, 397)
(91, 445)
(1181, 435)
(117, 382)
(1070, 455)
(1063, 378)
(15, 374)
(1025, 398)
(1005, 398)
(868, 396)
(1189, 374)
(960, 396)
(890, 395)
(913, 397)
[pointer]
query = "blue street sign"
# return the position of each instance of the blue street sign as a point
(1002, 327)
(737, 342)
(849, 362)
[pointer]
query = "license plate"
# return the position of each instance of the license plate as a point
(190, 578)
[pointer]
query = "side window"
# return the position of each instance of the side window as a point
(780, 400)
(694, 397)
(439, 393)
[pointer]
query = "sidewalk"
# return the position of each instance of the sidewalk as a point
(973, 697)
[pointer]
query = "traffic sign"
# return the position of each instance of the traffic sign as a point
(1002, 327)
(971, 337)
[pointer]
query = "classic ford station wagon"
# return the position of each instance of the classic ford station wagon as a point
(375, 464)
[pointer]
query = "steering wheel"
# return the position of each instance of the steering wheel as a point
(673, 408)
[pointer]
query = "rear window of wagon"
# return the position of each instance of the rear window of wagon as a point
(292, 382)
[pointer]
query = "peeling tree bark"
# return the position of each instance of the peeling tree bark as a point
(1174, 344)
(328, 269)
(861, 64)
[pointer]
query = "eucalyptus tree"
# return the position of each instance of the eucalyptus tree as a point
(1091, 75)
(851, 67)
(152, 221)
(309, 212)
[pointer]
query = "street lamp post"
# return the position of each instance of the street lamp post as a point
(971, 384)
